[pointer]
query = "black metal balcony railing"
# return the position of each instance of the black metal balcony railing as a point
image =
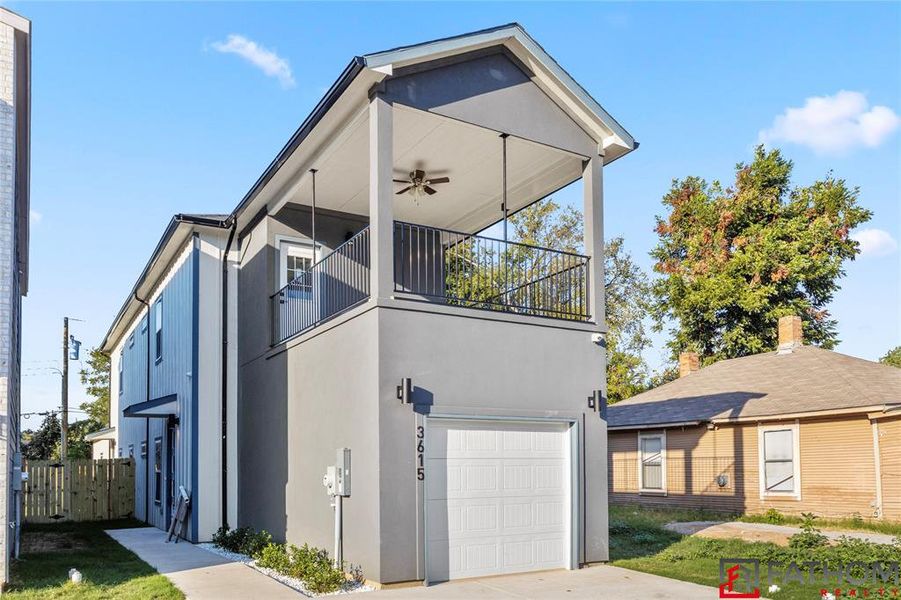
(481, 272)
(335, 283)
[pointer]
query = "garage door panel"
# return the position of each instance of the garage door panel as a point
(496, 498)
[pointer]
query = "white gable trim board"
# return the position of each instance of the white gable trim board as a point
(500, 496)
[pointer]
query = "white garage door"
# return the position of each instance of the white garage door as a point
(497, 497)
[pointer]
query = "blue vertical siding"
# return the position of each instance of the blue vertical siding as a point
(175, 373)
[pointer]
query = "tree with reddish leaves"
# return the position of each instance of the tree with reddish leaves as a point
(732, 261)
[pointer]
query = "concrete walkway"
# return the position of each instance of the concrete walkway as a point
(199, 574)
(598, 582)
(763, 532)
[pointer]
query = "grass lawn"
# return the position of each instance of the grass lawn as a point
(109, 570)
(639, 542)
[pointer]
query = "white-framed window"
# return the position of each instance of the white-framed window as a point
(158, 328)
(780, 465)
(121, 367)
(295, 258)
(652, 462)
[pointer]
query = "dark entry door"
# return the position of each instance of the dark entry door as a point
(171, 433)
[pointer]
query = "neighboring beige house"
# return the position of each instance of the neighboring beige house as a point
(103, 443)
(823, 428)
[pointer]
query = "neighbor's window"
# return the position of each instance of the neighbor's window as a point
(131, 451)
(143, 449)
(157, 470)
(158, 324)
(778, 460)
(651, 469)
(121, 363)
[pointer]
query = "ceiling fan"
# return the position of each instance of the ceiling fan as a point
(418, 184)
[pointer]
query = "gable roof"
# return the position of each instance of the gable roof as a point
(173, 238)
(363, 72)
(806, 380)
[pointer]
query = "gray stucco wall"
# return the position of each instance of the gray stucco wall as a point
(336, 387)
(466, 363)
(297, 408)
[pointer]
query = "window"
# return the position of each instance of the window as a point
(157, 469)
(652, 462)
(779, 468)
(143, 449)
(295, 261)
(121, 363)
(131, 451)
(158, 324)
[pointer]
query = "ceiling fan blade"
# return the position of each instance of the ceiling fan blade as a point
(401, 181)
(403, 190)
(439, 180)
(429, 190)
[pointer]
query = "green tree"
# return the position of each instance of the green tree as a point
(95, 378)
(548, 225)
(732, 261)
(43, 443)
(892, 357)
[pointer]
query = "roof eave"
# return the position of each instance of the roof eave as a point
(177, 221)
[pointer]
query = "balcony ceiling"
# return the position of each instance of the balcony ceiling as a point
(471, 156)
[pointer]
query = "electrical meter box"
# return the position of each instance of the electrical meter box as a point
(342, 472)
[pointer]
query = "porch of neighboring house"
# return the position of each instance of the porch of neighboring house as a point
(450, 181)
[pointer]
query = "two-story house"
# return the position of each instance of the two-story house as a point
(352, 300)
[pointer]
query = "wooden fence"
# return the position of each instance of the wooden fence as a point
(78, 490)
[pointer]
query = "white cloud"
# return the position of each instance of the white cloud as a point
(264, 59)
(35, 216)
(875, 242)
(833, 124)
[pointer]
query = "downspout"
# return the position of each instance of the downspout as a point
(146, 421)
(224, 409)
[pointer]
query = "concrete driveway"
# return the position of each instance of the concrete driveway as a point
(602, 581)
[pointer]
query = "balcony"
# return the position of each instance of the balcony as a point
(438, 266)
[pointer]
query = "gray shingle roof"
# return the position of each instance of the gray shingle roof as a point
(806, 380)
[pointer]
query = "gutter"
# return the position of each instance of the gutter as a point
(224, 369)
(655, 426)
(331, 96)
(167, 234)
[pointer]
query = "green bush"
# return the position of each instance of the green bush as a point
(774, 517)
(306, 563)
(810, 537)
(275, 557)
(243, 540)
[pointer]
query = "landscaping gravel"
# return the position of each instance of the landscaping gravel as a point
(351, 587)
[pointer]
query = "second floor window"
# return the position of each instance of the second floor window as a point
(295, 259)
(158, 328)
(121, 363)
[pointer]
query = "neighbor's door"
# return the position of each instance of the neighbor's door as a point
(498, 497)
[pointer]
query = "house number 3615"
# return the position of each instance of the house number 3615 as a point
(420, 448)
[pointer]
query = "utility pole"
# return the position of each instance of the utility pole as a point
(64, 439)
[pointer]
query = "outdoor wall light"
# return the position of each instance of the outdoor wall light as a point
(405, 391)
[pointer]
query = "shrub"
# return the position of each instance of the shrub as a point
(773, 516)
(275, 557)
(810, 537)
(243, 540)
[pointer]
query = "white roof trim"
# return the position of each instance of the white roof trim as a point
(517, 40)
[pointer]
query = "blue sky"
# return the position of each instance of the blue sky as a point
(138, 113)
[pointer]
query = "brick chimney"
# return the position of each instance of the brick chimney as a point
(790, 334)
(688, 363)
